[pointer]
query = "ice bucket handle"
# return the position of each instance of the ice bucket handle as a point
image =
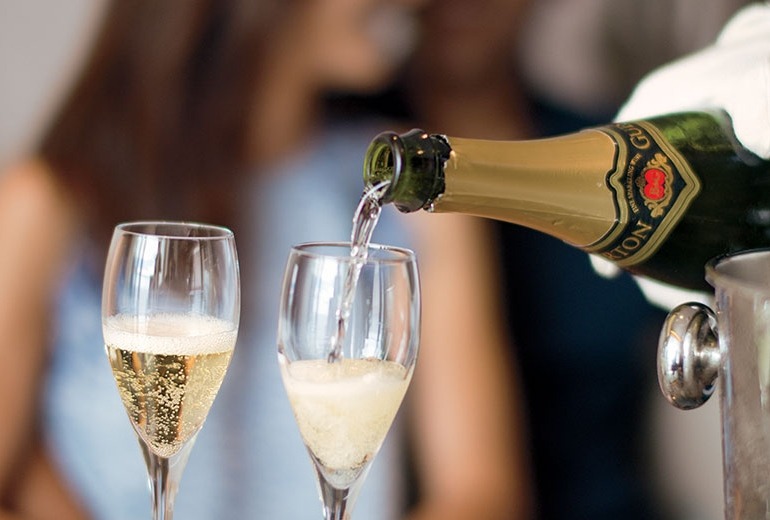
(688, 355)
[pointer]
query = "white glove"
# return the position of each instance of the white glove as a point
(732, 74)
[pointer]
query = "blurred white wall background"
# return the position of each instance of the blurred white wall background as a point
(590, 53)
(41, 45)
(686, 455)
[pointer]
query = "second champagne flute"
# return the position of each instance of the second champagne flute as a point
(348, 337)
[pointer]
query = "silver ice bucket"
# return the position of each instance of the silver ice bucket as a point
(731, 342)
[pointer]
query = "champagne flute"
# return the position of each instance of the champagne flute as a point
(367, 310)
(170, 312)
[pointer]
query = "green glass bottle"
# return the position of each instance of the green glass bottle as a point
(658, 197)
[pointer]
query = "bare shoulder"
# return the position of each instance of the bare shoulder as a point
(31, 186)
(37, 213)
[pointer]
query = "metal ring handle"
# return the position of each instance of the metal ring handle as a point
(688, 355)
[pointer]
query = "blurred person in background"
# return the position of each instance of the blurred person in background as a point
(584, 345)
(217, 111)
(580, 341)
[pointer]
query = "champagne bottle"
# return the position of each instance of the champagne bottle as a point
(658, 197)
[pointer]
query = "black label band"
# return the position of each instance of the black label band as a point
(653, 186)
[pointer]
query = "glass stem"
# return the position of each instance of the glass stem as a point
(335, 501)
(164, 474)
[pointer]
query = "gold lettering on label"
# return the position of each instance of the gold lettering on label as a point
(636, 136)
(630, 244)
(642, 230)
(630, 190)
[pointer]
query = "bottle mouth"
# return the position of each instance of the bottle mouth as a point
(384, 163)
(412, 164)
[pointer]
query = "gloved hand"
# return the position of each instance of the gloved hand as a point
(732, 74)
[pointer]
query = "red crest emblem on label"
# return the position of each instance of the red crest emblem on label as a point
(654, 181)
(655, 187)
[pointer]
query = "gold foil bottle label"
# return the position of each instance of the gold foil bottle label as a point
(653, 186)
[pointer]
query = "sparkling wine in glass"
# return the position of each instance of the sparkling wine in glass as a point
(170, 312)
(345, 404)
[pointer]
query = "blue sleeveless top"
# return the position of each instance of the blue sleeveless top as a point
(249, 460)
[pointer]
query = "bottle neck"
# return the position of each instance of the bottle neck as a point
(556, 185)
(413, 165)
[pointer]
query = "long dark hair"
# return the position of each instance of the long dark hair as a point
(156, 125)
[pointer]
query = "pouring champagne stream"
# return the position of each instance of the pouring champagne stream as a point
(348, 336)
